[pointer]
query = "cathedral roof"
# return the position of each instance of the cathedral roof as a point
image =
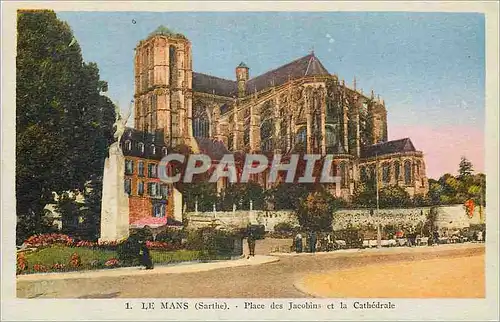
(215, 149)
(305, 66)
(214, 85)
(389, 147)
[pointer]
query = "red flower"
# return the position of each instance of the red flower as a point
(22, 263)
(58, 266)
(112, 262)
(39, 268)
(75, 260)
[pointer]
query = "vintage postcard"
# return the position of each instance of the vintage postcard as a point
(249, 161)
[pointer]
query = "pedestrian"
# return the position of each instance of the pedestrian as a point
(298, 243)
(480, 236)
(329, 242)
(251, 243)
(436, 237)
(145, 257)
(314, 240)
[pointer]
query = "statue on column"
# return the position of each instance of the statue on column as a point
(121, 122)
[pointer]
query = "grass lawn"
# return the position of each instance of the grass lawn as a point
(95, 258)
(59, 254)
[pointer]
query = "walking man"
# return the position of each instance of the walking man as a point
(145, 257)
(251, 243)
(298, 243)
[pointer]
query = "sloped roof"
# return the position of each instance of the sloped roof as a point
(305, 66)
(389, 147)
(215, 149)
(135, 137)
(214, 85)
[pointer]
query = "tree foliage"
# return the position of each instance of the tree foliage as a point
(315, 211)
(63, 123)
(240, 194)
(466, 185)
(465, 168)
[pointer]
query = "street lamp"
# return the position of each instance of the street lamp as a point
(379, 234)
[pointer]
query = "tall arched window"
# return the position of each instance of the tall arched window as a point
(397, 170)
(201, 123)
(172, 61)
(331, 137)
(267, 127)
(302, 137)
(407, 167)
(386, 172)
(344, 174)
(363, 174)
(372, 173)
(266, 135)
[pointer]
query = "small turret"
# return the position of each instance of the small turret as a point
(242, 76)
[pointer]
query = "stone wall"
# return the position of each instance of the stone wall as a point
(450, 217)
(363, 217)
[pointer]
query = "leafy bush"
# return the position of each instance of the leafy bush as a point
(211, 242)
(143, 234)
(284, 227)
(128, 252)
(157, 245)
(352, 236)
(171, 236)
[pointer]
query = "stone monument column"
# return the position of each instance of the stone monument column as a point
(114, 204)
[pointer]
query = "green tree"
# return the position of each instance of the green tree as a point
(465, 168)
(70, 210)
(393, 197)
(315, 211)
(435, 191)
(240, 194)
(63, 124)
(287, 196)
(201, 192)
(364, 195)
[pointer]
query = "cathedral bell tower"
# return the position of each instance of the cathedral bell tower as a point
(242, 78)
(163, 86)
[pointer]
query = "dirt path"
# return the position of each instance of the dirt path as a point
(461, 277)
(272, 280)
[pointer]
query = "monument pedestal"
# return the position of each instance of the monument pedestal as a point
(114, 204)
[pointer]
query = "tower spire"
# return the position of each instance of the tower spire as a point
(354, 83)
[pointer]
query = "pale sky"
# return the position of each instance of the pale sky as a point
(428, 67)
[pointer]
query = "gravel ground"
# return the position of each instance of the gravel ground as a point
(272, 280)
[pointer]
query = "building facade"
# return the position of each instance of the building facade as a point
(300, 104)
